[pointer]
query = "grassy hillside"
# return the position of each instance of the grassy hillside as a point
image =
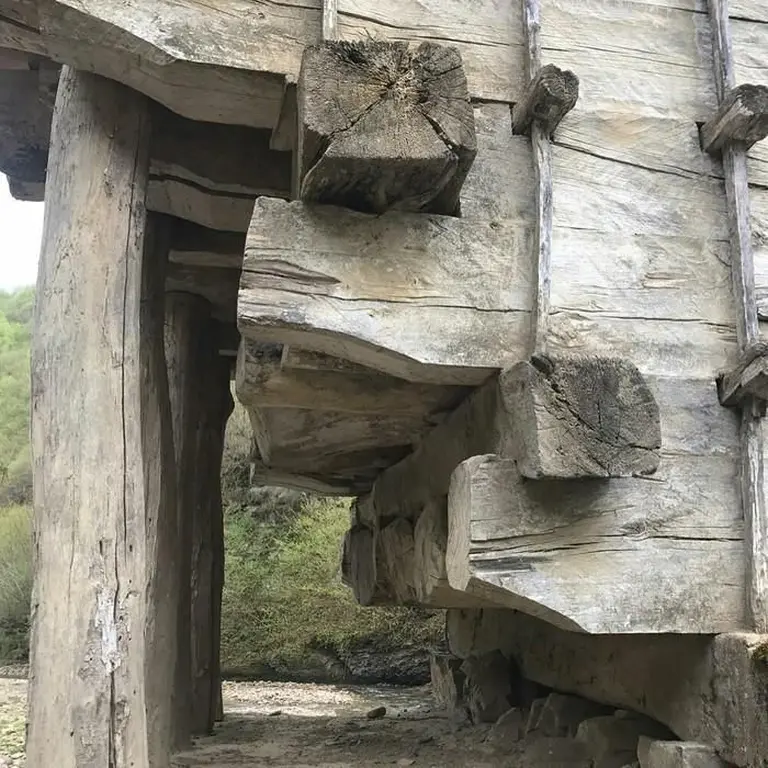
(284, 604)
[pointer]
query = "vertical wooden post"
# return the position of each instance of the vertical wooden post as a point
(330, 19)
(201, 403)
(743, 279)
(101, 669)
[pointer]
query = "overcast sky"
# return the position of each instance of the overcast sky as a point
(21, 227)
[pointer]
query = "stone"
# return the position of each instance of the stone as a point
(488, 686)
(561, 715)
(447, 680)
(508, 729)
(556, 752)
(613, 741)
(677, 754)
(376, 713)
(534, 715)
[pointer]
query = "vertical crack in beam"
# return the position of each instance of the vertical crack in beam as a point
(743, 278)
(330, 20)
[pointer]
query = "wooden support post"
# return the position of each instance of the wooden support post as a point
(201, 403)
(383, 125)
(330, 19)
(550, 95)
(743, 278)
(103, 638)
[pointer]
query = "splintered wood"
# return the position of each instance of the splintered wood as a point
(384, 126)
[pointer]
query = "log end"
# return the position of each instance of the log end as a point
(741, 119)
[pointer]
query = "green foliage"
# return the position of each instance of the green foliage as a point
(15, 322)
(15, 582)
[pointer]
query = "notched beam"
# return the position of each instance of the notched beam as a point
(742, 118)
(547, 100)
(590, 417)
(749, 380)
(384, 125)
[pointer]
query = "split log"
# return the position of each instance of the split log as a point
(702, 688)
(549, 97)
(383, 126)
(588, 417)
(419, 297)
(742, 118)
(395, 560)
(263, 380)
(104, 480)
(633, 541)
(363, 575)
(749, 380)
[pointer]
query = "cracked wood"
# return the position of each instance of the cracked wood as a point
(384, 126)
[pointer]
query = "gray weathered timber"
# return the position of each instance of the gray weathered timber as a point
(581, 417)
(384, 126)
(645, 546)
(330, 19)
(185, 319)
(217, 285)
(421, 297)
(549, 97)
(196, 246)
(25, 127)
(263, 380)
(260, 474)
(104, 616)
(395, 560)
(743, 279)
(742, 118)
(210, 174)
(704, 689)
(360, 546)
(749, 380)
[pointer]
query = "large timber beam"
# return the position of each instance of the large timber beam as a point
(425, 298)
(707, 689)
(103, 615)
(384, 126)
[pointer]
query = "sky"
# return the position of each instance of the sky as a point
(21, 227)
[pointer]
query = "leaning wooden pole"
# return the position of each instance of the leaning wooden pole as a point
(734, 154)
(101, 666)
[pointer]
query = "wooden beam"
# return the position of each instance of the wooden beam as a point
(264, 381)
(196, 246)
(384, 125)
(748, 381)
(550, 96)
(102, 447)
(210, 173)
(581, 417)
(424, 298)
(743, 280)
(218, 285)
(330, 19)
(705, 689)
(742, 119)
(635, 542)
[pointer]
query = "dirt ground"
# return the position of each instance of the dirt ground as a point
(304, 725)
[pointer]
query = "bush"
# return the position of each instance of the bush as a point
(15, 582)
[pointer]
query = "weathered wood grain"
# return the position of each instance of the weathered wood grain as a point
(104, 616)
(646, 546)
(748, 381)
(196, 246)
(330, 19)
(264, 381)
(384, 126)
(741, 118)
(423, 298)
(703, 688)
(548, 98)
(367, 586)
(218, 285)
(581, 417)
(743, 279)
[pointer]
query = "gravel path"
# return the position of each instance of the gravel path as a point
(305, 725)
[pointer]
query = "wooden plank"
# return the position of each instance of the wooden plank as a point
(743, 276)
(330, 280)
(218, 285)
(330, 19)
(196, 246)
(104, 614)
(645, 545)
(263, 381)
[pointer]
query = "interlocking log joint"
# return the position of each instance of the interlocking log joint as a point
(742, 118)
(549, 97)
(384, 125)
(591, 417)
(749, 379)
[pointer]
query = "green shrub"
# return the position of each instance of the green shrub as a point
(15, 582)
